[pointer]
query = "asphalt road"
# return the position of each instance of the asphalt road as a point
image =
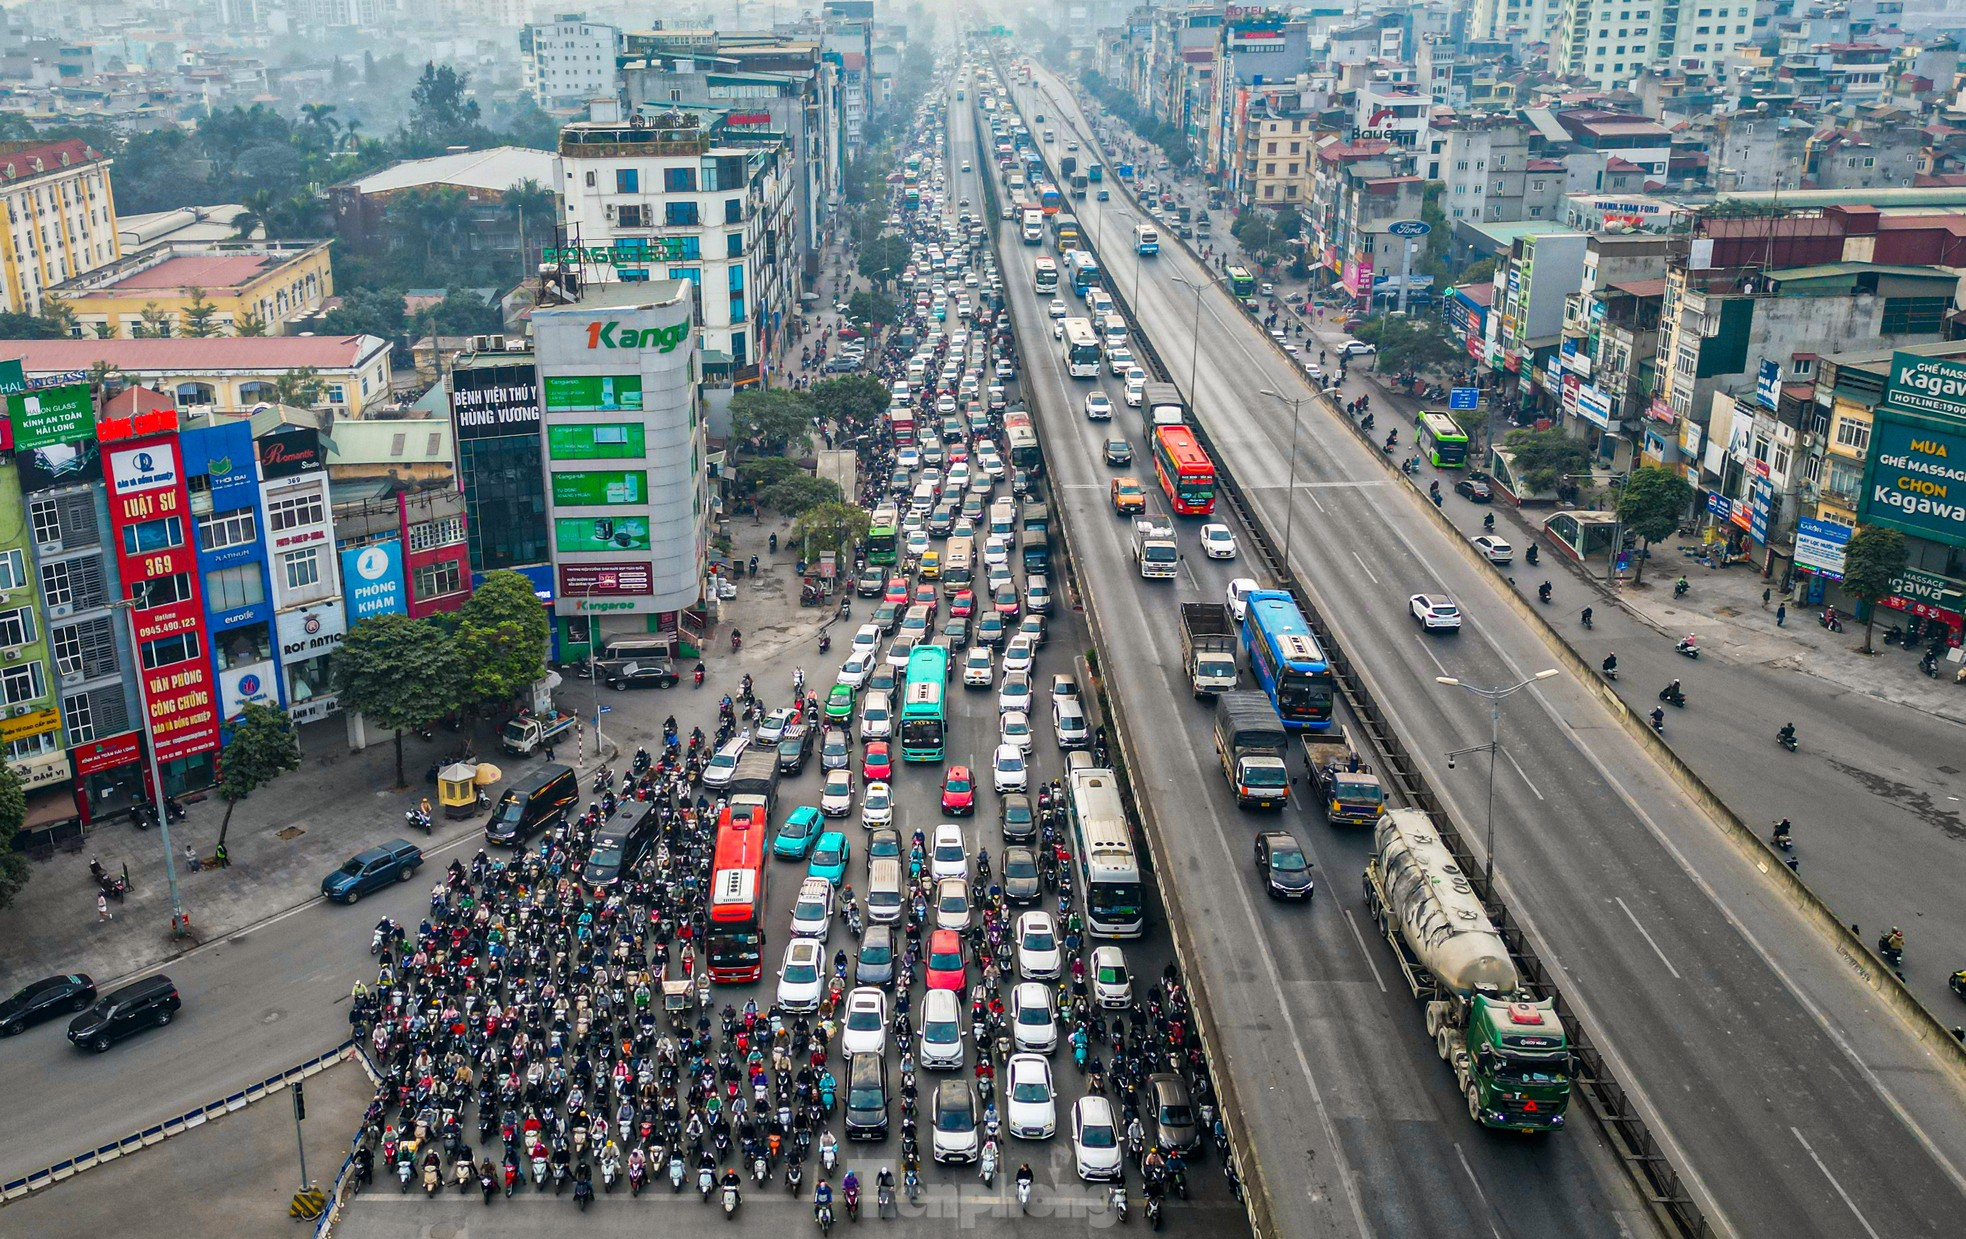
(1355, 1118)
(1703, 987)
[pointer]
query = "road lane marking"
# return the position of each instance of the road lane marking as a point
(1368, 572)
(1644, 933)
(1426, 647)
(1861, 1219)
(1523, 774)
(1362, 950)
(1483, 1196)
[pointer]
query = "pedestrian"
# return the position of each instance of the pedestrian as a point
(102, 908)
(223, 858)
(191, 858)
(1765, 595)
(1782, 615)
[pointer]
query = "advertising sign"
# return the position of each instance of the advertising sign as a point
(52, 415)
(242, 686)
(1768, 385)
(591, 580)
(1926, 385)
(600, 533)
(1916, 481)
(136, 469)
(27, 726)
(1761, 510)
(490, 401)
(98, 756)
(290, 450)
(1720, 505)
(223, 454)
(1464, 398)
(600, 488)
(372, 578)
(59, 464)
(606, 392)
(605, 441)
(306, 636)
(1819, 546)
(1928, 596)
(13, 377)
(1594, 405)
(1409, 228)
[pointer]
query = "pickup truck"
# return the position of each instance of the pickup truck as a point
(1250, 740)
(529, 732)
(1350, 792)
(1208, 647)
(1154, 549)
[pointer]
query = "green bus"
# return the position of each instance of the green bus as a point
(883, 534)
(1442, 440)
(922, 723)
(1241, 283)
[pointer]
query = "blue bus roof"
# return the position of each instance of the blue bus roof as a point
(1274, 614)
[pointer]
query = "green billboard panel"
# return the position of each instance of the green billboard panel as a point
(600, 489)
(1917, 479)
(606, 392)
(52, 415)
(602, 441)
(600, 533)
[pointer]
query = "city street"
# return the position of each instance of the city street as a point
(1657, 917)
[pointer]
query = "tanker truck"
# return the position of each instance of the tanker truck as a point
(1507, 1047)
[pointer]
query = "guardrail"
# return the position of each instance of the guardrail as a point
(1640, 1151)
(157, 1133)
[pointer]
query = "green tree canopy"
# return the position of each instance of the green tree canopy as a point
(1548, 460)
(796, 495)
(399, 673)
(16, 326)
(367, 312)
(1872, 563)
(754, 476)
(772, 422)
(829, 527)
(262, 748)
(852, 400)
(1410, 344)
(14, 869)
(870, 307)
(1651, 504)
(501, 636)
(883, 258)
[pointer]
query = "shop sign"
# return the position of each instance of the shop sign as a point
(309, 632)
(27, 726)
(1768, 385)
(1660, 410)
(1916, 586)
(289, 451)
(99, 755)
(1761, 510)
(1927, 385)
(590, 580)
(1917, 480)
(52, 415)
(1720, 505)
(1820, 545)
(372, 575)
(489, 401)
(183, 715)
(639, 253)
(241, 686)
(144, 468)
(609, 333)
(1594, 406)
(606, 392)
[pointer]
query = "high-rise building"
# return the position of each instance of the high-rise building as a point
(570, 61)
(1612, 41)
(61, 218)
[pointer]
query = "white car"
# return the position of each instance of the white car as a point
(978, 671)
(993, 465)
(947, 858)
(1056, 309)
(772, 730)
(897, 654)
(996, 551)
(1435, 612)
(1112, 986)
(1037, 596)
(1057, 328)
(917, 544)
(1015, 729)
(1098, 407)
(1009, 770)
(1095, 1139)
(1119, 361)
(1356, 348)
(877, 806)
(1031, 1102)
(952, 904)
(1019, 654)
(1068, 721)
(1136, 388)
(865, 1028)
(876, 723)
(908, 458)
(812, 912)
(1313, 371)
(1014, 693)
(1238, 595)
(1494, 549)
(855, 670)
(1038, 955)
(866, 640)
(836, 798)
(1033, 1027)
(801, 978)
(1217, 542)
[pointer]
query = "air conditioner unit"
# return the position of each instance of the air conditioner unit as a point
(17, 711)
(61, 609)
(477, 344)
(13, 656)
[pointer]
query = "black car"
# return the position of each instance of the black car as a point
(1119, 453)
(874, 965)
(866, 1097)
(636, 673)
(44, 999)
(795, 747)
(1021, 881)
(942, 520)
(149, 1003)
(870, 583)
(1281, 860)
(619, 842)
(1474, 488)
(956, 633)
(1014, 815)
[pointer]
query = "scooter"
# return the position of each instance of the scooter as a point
(1679, 588)
(732, 1198)
(1658, 720)
(705, 1181)
(1786, 739)
(1672, 698)
(1687, 648)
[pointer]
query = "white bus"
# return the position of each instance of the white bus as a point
(1046, 277)
(1114, 904)
(1081, 349)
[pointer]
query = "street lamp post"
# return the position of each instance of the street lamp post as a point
(1296, 404)
(180, 921)
(1194, 338)
(1493, 696)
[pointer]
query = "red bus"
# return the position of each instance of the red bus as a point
(737, 897)
(1186, 473)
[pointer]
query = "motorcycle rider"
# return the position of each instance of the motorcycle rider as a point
(1787, 734)
(1782, 830)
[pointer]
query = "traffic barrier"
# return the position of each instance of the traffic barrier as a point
(1606, 1098)
(40, 1180)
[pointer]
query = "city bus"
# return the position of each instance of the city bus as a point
(1084, 271)
(1442, 440)
(921, 703)
(1288, 662)
(1046, 278)
(1241, 283)
(1065, 232)
(1081, 349)
(1186, 473)
(737, 896)
(883, 534)
(958, 565)
(1021, 442)
(1049, 200)
(1114, 907)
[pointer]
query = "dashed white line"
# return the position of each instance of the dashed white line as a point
(1861, 1219)
(1643, 933)
(1523, 774)
(1362, 950)
(1488, 1209)
(1368, 572)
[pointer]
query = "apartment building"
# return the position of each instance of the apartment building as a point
(569, 61)
(1611, 42)
(61, 219)
(229, 373)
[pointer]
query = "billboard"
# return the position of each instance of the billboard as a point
(600, 489)
(372, 580)
(1819, 546)
(1926, 385)
(1916, 480)
(290, 450)
(52, 415)
(492, 401)
(600, 533)
(588, 580)
(1768, 385)
(59, 464)
(605, 392)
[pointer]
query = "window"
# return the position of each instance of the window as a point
(229, 589)
(87, 649)
(46, 516)
(294, 511)
(170, 651)
(1914, 315)
(161, 591)
(627, 181)
(632, 215)
(436, 580)
(679, 180)
(1853, 434)
(17, 627)
(215, 533)
(680, 214)
(242, 647)
(13, 570)
(733, 210)
(302, 568)
(22, 683)
(431, 534)
(33, 746)
(157, 535)
(734, 245)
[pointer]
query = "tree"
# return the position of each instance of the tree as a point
(870, 307)
(14, 870)
(16, 326)
(829, 527)
(399, 673)
(1872, 563)
(250, 324)
(1651, 504)
(532, 205)
(460, 313)
(757, 476)
(155, 324)
(773, 423)
(200, 317)
(1547, 460)
(1410, 344)
(855, 400)
(261, 749)
(501, 640)
(799, 494)
(883, 258)
(366, 312)
(299, 388)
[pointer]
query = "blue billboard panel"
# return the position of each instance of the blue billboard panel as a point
(372, 575)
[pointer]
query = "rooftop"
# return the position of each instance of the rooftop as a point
(499, 168)
(177, 267)
(22, 160)
(246, 354)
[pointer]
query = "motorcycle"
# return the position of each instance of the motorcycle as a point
(851, 1194)
(1658, 720)
(1153, 1212)
(825, 640)
(732, 1199)
(1543, 592)
(1687, 648)
(417, 820)
(1679, 588)
(583, 1192)
(1672, 698)
(1786, 738)
(705, 1181)
(432, 1181)
(1828, 619)
(1892, 955)
(699, 675)
(1116, 1201)
(675, 1174)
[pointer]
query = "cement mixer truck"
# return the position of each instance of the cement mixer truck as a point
(1508, 1048)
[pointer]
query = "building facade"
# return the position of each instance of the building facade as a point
(245, 287)
(568, 61)
(61, 219)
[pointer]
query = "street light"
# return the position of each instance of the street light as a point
(1493, 696)
(1194, 338)
(180, 921)
(1296, 404)
(1130, 216)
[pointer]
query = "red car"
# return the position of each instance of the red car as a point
(1006, 603)
(925, 596)
(897, 591)
(963, 604)
(958, 452)
(877, 765)
(946, 968)
(958, 791)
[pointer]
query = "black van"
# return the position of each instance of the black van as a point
(866, 1097)
(542, 798)
(149, 1003)
(619, 842)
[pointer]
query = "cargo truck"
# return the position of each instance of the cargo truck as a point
(1250, 740)
(1076, 184)
(1161, 405)
(754, 780)
(1154, 549)
(1509, 1051)
(530, 731)
(1350, 791)
(1208, 647)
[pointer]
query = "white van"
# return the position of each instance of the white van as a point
(884, 905)
(1003, 518)
(942, 1032)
